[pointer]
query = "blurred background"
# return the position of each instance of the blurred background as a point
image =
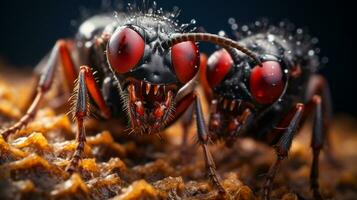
(29, 29)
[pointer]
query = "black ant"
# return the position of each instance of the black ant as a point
(268, 101)
(147, 70)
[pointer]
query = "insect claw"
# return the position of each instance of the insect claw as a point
(156, 89)
(148, 86)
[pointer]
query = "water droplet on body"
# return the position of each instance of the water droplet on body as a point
(221, 33)
(271, 38)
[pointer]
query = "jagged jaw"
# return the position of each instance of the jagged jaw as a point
(149, 106)
(228, 117)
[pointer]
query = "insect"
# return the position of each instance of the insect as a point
(147, 70)
(268, 101)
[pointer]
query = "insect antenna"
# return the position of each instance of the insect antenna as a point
(216, 39)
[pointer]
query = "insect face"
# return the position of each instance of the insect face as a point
(150, 75)
(241, 88)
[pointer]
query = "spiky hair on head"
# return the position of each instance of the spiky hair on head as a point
(150, 9)
(304, 46)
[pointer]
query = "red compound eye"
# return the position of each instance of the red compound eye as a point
(219, 64)
(266, 82)
(125, 49)
(185, 59)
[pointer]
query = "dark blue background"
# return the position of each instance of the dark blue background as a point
(30, 28)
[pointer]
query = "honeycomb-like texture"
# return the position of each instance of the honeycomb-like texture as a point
(32, 163)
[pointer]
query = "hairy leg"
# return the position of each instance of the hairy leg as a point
(203, 138)
(86, 84)
(283, 146)
(44, 84)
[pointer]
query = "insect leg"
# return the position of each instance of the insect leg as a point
(318, 86)
(203, 138)
(44, 84)
(185, 122)
(85, 82)
(282, 147)
(319, 103)
(187, 117)
(68, 70)
(94, 91)
(80, 112)
(317, 142)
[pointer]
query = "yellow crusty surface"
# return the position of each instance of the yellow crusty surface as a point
(121, 166)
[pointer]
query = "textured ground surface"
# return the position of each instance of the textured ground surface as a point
(32, 162)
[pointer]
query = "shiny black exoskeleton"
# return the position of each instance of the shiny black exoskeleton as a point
(268, 101)
(146, 68)
(154, 72)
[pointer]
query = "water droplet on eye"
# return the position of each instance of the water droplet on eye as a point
(286, 71)
(221, 33)
(299, 31)
(311, 53)
(298, 43)
(193, 21)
